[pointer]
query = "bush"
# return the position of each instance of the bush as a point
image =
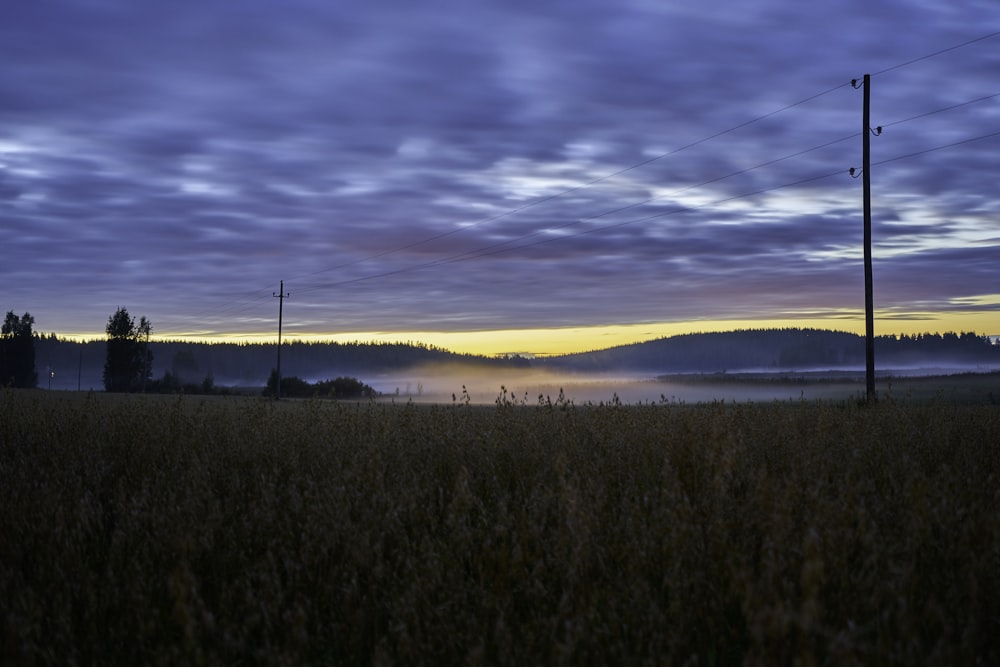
(342, 387)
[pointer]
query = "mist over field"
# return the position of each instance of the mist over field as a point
(468, 383)
(446, 383)
(733, 366)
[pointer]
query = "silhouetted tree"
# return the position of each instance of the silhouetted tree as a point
(342, 387)
(185, 365)
(17, 351)
(129, 362)
(291, 387)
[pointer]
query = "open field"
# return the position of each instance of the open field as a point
(233, 530)
(967, 388)
(921, 385)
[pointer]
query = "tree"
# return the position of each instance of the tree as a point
(291, 387)
(17, 351)
(129, 362)
(342, 387)
(185, 365)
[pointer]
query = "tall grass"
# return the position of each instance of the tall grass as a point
(156, 530)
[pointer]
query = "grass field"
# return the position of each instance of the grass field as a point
(231, 530)
(969, 388)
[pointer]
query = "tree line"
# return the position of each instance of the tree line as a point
(124, 360)
(17, 351)
(781, 349)
(129, 354)
(128, 364)
(188, 366)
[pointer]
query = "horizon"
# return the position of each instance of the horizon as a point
(495, 178)
(434, 376)
(485, 345)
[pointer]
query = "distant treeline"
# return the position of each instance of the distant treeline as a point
(782, 349)
(250, 364)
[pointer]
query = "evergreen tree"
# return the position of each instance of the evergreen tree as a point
(17, 351)
(129, 363)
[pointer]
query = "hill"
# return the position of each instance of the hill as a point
(781, 349)
(81, 364)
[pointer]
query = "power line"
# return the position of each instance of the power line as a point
(554, 196)
(585, 185)
(486, 252)
(653, 159)
(505, 246)
(576, 188)
(802, 181)
(936, 53)
(937, 111)
(489, 250)
(280, 296)
(735, 173)
(938, 148)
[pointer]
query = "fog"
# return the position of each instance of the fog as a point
(478, 386)
(483, 385)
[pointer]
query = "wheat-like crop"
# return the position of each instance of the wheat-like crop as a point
(172, 530)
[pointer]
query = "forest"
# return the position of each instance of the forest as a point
(247, 364)
(784, 349)
(68, 364)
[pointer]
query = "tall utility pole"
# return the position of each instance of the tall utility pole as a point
(281, 296)
(866, 132)
(145, 327)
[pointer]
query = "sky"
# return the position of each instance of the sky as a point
(497, 176)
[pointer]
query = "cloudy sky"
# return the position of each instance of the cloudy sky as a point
(497, 175)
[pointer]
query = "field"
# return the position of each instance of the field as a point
(967, 388)
(232, 530)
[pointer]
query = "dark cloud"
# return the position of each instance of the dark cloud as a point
(480, 165)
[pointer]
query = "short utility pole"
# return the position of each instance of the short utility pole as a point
(866, 132)
(280, 296)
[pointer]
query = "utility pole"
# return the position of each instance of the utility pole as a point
(145, 327)
(280, 296)
(866, 132)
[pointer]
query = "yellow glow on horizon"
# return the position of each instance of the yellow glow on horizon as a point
(545, 342)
